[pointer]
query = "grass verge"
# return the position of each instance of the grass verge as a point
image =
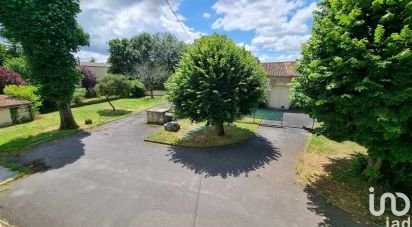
(199, 135)
(333, 169)
(45, 128)
(20, 169)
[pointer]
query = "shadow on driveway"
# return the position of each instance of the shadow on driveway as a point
(44, 157)
(231, 160)
(332, 216)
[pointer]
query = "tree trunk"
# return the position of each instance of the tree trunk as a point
(66, 117)
(375, 164)
(108, 100)
(151, 93)
(220, 131)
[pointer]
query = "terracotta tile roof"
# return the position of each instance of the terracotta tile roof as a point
(280, 69)
(9, 101)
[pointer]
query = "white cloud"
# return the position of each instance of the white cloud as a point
(265, 58)
(287, 57)
(279, 25)
(247, 46)
(85, 55)
(107, 19)
(270, 57)
(206, 15)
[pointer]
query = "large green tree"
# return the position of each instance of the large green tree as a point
(216, 81)
(128, 54)
(356, 78)
(48, 32)
(167, 50)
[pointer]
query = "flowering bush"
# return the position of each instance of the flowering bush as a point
(8, 77)
(89, 81)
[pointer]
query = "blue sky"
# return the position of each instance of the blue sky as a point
(272, 30)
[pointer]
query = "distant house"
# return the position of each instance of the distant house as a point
(100, 69)
(280, 75)
(14, 110)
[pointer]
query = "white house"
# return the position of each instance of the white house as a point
(280, 75)
(14, 110)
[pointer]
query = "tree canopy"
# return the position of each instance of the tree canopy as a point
(356, 78)
(160, 48)
(9, 50)
(216, 81)
(20, 66)
(48, 34)
(114, 86)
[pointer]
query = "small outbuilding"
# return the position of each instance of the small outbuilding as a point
(14, 110)
(281, 75)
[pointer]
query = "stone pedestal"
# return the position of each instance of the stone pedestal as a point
(156, 115)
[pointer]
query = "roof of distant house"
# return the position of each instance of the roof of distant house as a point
(10, 101)
(94, 64)
(280, 69)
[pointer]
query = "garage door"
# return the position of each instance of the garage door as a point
(279, 97)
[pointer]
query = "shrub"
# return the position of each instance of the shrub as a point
(28, 92)
(78, 95)
(137, 89)
(89, 81)
(216, 81)
(20, 66)
(8, 77)
(114, 86)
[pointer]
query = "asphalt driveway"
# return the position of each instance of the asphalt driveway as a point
(111, 177)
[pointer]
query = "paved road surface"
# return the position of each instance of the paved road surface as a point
(111, 177)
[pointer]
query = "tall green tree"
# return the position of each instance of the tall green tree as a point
(216, 81)
(120, 56)
(167, 50)
(356, 78)
(48, 32)
(160, 48)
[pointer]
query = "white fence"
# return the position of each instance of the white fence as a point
(156, 92)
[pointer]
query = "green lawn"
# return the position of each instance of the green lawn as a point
(333, 169)
(18, 137)
(199, 135)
